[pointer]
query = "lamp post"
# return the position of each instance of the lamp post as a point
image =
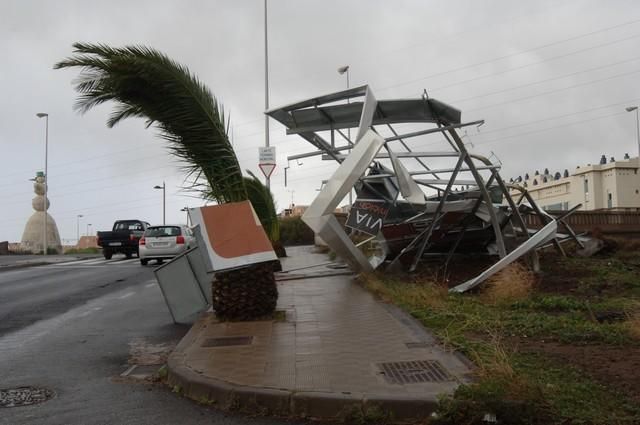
(46, 178)
(345, 70)
(164, 201)
(631, 109)
(186, 210)
(88, 225)
(266, 86)
(78, 217)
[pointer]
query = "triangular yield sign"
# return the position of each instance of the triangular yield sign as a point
(267, 169)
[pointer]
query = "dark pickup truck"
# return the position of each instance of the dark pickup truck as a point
(123, 238)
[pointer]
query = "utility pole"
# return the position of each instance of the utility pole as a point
(44, 115)
(164, 201)
(78, 217)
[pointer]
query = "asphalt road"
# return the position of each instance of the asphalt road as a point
(74, 328)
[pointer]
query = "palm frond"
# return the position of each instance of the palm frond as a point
(262, 200)
(147, 84)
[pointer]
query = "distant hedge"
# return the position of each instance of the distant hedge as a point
(293, 231)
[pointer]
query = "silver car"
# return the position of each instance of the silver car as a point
(164, 242)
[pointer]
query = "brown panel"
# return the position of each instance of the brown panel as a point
(232, 230)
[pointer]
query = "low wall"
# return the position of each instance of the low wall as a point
(608, 222)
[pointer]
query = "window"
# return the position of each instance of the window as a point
(586, 185)
(553, 207)
(160, 231)
(128, 225)
(609, 200)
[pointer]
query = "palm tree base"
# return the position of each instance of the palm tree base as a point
(281, 252)
(248, 293)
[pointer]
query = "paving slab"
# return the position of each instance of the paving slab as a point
(339, 350)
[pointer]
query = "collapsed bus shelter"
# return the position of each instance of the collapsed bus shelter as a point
(412, 202)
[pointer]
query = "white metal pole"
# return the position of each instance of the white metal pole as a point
(266, 86)
(638, 132)
(349, 136)
(164, 203)
(46, 182)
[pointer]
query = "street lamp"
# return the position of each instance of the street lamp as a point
(78, 217)
(46, 177)
(266, 86)
(164, 201)
(186, 209)
(631, 109)
(88, 225)
(345, 70)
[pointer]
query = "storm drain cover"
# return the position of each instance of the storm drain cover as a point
(24, 396)
(227, 341)
(414, 372)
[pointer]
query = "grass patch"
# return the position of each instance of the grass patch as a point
(539, 392)
(525, 387)
(632, 324)
(515, 282)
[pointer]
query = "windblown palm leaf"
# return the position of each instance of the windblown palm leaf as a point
(264, 205)
(145, 83)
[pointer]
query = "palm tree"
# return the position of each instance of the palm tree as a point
(147, 84)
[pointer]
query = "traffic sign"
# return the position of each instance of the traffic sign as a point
(267, 169)
(267, 160)
(267, 155)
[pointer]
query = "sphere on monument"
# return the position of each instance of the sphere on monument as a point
(38, 203)
(38, 188)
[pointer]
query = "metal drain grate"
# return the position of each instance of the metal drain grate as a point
(24, 396)
(414, 372)
(227, 341)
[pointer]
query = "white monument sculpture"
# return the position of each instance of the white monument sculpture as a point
(33, 236)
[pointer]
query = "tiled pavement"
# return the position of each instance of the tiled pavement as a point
(323, 360)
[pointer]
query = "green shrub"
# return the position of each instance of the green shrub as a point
(293, 231)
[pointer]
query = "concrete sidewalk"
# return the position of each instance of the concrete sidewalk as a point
(339, 352)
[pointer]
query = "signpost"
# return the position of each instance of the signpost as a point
(267, 160)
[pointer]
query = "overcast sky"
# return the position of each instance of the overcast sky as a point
(550, 78)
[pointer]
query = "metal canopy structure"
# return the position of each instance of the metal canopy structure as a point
(469, 207)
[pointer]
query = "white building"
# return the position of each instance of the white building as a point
(613, 184)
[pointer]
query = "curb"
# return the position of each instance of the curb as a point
(39, 263)
(23, 266)
(283, 402)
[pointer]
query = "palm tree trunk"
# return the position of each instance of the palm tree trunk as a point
(248, 293)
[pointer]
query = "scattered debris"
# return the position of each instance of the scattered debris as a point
(476, 214)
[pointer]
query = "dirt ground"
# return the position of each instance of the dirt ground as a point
(617, 367)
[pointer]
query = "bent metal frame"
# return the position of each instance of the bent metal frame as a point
(331, 114)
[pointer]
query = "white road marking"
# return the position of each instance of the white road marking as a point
(127, 295)
(95, 261)
(88, 312)
(122, 262)
(150, 285)
(82, 264)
